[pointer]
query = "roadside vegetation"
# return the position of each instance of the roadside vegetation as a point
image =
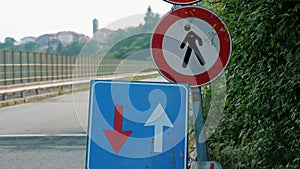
(260, 127)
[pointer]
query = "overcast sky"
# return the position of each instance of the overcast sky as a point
(21, 18)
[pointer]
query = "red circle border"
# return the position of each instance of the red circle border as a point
(219, 27)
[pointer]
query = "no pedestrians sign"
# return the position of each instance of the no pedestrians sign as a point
(191, 45)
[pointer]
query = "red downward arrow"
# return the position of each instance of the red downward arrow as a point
(212, 165)
(117, 137)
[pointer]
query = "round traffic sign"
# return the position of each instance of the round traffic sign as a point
(191, 45)
(182, 2)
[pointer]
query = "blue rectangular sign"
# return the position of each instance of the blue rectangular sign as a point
(137, 125)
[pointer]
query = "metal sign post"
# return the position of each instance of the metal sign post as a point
(199, 125)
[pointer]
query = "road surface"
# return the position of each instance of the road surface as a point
(48, 134)
(50, 116)
(65, 114)
(48, 152)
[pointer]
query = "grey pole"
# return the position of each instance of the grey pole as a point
(199, 124)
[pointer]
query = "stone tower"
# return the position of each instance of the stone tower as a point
(95, 26)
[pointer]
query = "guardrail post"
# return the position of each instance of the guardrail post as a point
(61, 88)
(21, 67)
(52, 66)
(37, 91)
(48, 67)
(5, 68)
(41, 67)
(22, 94)
(28, 68)
(4, 96)
(13, 66)
(57, 68)
(35, 69)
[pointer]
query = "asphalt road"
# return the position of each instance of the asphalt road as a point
(42, 158)
(66, 114)
(47, 152)
(48, 134)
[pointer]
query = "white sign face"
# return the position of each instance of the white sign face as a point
(191, 45)
(209, 48)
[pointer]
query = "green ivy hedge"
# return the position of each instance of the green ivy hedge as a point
(261, 123)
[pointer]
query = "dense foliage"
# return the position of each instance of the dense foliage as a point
(130, 45)
(261, 123)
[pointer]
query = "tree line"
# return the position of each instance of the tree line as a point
(72, 49)
(125, 42)
(119, 44)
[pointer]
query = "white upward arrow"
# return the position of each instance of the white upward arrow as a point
(158, 119)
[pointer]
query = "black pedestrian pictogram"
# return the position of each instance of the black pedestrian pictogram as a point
(190, 41)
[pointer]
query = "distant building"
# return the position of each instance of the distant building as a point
(80, 37)
(65, 38)
(44, 40)
(68, 37)
(28, 39)
(101, 35)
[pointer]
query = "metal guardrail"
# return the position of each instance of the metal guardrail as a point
(24, 72)
(23, 88)
(26, 67)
